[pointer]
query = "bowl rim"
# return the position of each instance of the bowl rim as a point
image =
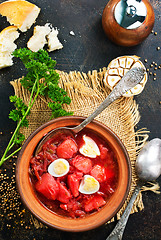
(98, 224)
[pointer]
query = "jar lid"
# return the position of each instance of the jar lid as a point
(130, 14)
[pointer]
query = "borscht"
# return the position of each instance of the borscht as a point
(74, 176)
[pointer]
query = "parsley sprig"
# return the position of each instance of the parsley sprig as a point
(41, 80)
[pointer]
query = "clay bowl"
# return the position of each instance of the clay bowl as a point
(51, 219)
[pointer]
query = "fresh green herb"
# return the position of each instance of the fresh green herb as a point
(41, 79)
(19, 111)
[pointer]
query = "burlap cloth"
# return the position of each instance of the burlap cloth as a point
(87, 91)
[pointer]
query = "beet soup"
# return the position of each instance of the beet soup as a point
(74, 177)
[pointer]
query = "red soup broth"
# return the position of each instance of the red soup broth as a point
(61, 194)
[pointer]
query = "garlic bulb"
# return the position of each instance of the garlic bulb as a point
(117, 69)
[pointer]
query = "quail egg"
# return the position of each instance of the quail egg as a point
(89, 185)
(90, 148)
(59, 167)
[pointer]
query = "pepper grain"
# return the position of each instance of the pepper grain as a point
(13, 215)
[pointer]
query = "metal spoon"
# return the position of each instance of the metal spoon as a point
(128, 81)
(148, 168)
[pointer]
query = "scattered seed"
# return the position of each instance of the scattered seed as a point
(159, 67)
(145, 60)
(151, 65)
(158, 48)
(150, 73)
(155, 33)
(12, 213)
(154, 74)
(155, 68)
(152, 31)
(147, 69)
(154, 79)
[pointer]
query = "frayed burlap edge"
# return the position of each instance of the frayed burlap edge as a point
(87, 91)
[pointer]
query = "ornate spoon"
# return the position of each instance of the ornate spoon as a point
(128, 81)
(148, 168)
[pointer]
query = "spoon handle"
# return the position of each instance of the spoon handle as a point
(128, 81)
(118, 231)
(110, 98)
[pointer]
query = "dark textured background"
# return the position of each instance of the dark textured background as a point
(89, 49)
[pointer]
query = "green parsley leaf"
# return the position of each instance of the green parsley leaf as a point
(41, 79)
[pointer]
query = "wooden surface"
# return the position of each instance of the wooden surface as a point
(89, 49)
(123, 36)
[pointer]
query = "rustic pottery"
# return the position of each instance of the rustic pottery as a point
(51, 219)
